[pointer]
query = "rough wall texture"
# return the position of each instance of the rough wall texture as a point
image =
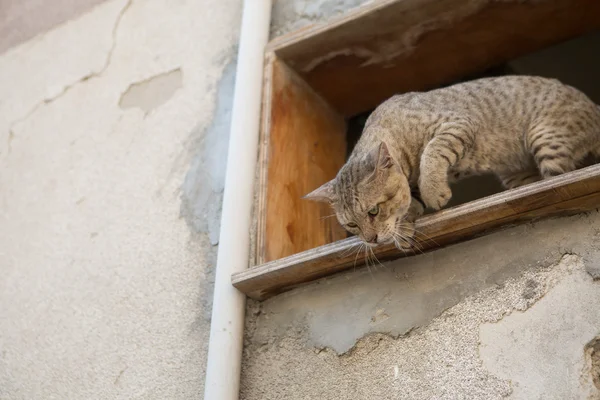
(289, 15)
(485, 319)
(105, 253)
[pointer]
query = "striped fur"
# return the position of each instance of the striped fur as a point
(521, 128)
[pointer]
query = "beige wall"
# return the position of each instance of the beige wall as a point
(105, 284)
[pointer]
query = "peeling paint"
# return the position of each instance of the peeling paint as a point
(400, 296)
(438, 359)
(83, 231)
(540, 349)
(153, 92)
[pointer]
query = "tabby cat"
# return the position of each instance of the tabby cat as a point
(521, 128)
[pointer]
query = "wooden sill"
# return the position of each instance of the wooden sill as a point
(571, 193)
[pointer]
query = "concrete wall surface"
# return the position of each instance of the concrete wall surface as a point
(511, 315)
(113, 139)
(114, 121)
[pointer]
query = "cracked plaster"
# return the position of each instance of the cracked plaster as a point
(101, 277)
(53, 97)
(472, 349)
(64, 68)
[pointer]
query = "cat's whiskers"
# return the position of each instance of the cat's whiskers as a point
(402, 239)
(418, 232)
(423, 235)
(375, 257)
(367, 262)
(415, 243)
(350, 249)
(408, 241)
(398, 245)
(420, 237)
(358, 250)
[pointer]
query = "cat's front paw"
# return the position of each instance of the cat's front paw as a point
(435, 194)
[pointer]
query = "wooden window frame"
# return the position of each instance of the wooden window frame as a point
(316, 77)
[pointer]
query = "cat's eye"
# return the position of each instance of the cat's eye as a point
(374, 211)
(351, 225)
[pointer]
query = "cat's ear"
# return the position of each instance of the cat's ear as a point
(324, 193)
(380, 158)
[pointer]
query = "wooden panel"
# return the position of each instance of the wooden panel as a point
(260, 202)
(390, 47)
(306, 142)
(565, 194)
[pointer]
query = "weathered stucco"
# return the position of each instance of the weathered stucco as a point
(289, 15)
(483, 319)
(113, 137)
(105, 283)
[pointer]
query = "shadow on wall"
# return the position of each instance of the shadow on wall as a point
(202, 189)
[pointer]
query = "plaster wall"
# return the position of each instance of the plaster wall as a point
(113, 139)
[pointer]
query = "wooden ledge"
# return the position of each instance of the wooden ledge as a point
(566, 194)
(361, 58)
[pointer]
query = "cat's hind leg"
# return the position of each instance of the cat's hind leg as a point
(551, 150)
(515, 179)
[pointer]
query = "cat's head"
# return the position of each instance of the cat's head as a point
(370, 196)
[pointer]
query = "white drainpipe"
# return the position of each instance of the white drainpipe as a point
(227, 323)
